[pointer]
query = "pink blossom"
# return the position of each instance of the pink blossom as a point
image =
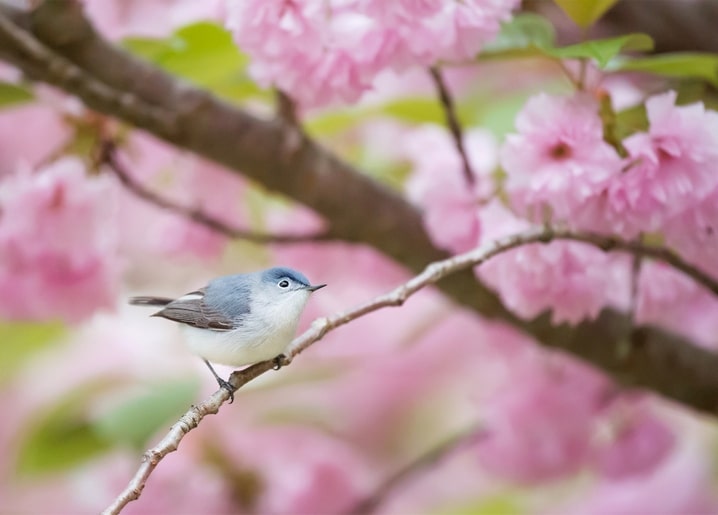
(320, 52)
(308, 49)
(670, 299)
(57, 244)
(670, 169)
(694, 233)
(438, 185)
(538, 428)
(574, 280)
(19, 128)
(635, 441)
(558, 158)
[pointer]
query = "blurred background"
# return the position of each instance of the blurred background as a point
(480, 419)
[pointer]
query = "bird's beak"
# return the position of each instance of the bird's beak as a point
(315, 287)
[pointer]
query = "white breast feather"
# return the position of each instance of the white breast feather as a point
(259, 338)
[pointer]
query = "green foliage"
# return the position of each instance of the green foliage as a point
(585, 13)
(13, 94)
(530, 35)
(134, 421)
(522, 36)
(21, 340)
(500, 504)
(680, 64)
(602, 50)
(62, 436)
(204, 54)
(630, 121)
(68, 435)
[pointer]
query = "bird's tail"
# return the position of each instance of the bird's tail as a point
(149, 301)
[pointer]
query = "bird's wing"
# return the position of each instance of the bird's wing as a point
(192, 310)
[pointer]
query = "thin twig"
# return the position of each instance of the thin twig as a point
(320, 327)
(452, 120)
(108, 155)
(399, 478)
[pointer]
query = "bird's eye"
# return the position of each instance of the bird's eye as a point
(284, 283)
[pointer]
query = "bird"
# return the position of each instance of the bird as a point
(238, 319)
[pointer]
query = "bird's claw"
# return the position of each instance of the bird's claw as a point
(227, 386)
(278, 362)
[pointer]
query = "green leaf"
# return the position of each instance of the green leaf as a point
(585, 12)
(630, 121)
(415, 110)
(134, 421)
(680, 64)
(62, 437)
(13, 94)
(500, 504)
(21, 340)
(522, 36)
(602, 50)
(204, 54)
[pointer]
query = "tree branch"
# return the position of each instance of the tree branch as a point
(108, 156)
(420, 464)
(320, 327)
(62, 44)
(452, 121)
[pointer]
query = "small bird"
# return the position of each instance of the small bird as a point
(239, 319)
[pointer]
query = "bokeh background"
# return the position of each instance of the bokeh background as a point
(87, 383)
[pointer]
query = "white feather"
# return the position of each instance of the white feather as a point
(191, 296)
(264, 334)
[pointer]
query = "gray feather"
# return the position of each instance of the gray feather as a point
(221, 306)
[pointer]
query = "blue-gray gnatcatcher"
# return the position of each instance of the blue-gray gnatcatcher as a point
(239, 319)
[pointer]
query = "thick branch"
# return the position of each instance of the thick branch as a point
(62, 49)
(431, 274)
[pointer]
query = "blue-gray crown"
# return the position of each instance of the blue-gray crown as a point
(275, 274)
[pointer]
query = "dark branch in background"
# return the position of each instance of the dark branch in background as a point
(431, 274)
(286, 108)
(358, 209)
(452, 121)
(675, 26)
(412, 469)
(108, 156)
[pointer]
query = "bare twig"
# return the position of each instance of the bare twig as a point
(386, 489)
(108, 155)
(320, 327)
(452, 120)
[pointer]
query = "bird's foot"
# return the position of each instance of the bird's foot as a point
(227, 386)
(278, 361)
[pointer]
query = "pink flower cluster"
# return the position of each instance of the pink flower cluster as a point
(560, 162)
(562, 417)
(57, 244)
(320, 51)
(560, 169)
